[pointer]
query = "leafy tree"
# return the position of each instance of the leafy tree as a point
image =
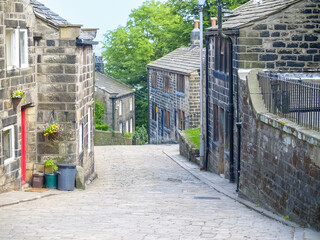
(152, 31)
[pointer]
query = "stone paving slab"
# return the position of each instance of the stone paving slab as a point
(223, 186)
(140, 194)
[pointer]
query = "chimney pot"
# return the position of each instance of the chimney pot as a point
(214, 21)
(196, 23)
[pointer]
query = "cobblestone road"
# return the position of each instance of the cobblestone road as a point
(140, 194)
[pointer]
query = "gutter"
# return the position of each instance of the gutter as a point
(86, 42)
(231, 105)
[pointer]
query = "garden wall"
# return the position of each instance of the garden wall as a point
(103, 138)
(280, 161)
(187, 149)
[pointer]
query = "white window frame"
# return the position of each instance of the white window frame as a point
(80, 137)
(131, 125)
(120, 108)
(89, 129)
(127, 126)
(120, 127)
(15, 48)
(12, 154)
(131, 103)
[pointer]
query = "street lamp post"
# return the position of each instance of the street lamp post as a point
(201, 4)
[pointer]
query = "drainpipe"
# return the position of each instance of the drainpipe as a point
(231, 105)
(113, 113)
(207, 103)
(239, 126)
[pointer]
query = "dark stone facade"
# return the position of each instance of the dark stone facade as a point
(279, 168)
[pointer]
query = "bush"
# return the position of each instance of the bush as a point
(103, 127)
(98, 113)
(127, 135)
(140, 136)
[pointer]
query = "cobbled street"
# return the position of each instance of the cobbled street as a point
(140, 194)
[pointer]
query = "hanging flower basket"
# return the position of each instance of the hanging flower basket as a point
(18, 94)
(52, 129)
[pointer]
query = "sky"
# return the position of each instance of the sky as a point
(103, 14)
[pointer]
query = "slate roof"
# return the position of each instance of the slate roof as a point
(251, 12)
(46, 14)
(52, 18)
(183, 60)
(112, 85)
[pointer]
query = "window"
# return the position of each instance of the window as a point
(182, 120)
(120, 127)
(131, 125)
(80, 137)
(120, 107)
(166, 84)
(8, 144)
(180, 83)
(89, 129)
(222, 54)
(17, 48)
(131, 103)
(166, 119)
(154, 111)
(154, 80)
(127, 126)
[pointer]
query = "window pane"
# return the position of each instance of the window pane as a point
(9, 47)
(22, 47)
(7, 144)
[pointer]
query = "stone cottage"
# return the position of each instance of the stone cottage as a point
(174, 92)
(274, 161)
(118, 100)
(51, 61)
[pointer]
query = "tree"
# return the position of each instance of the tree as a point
(152, 31)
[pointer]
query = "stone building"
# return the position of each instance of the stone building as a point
(119, 102)
(277, 160)
(51, 61)
(174, 92)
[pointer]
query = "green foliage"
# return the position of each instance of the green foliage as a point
(103, 127)
(49, 164)
(287, 218)
(140, 136)
(152, 31)
(98, 112)
(127, 135)
(194, 136)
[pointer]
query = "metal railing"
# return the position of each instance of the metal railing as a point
(293, 98)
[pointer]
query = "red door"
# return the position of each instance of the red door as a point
(23, 146)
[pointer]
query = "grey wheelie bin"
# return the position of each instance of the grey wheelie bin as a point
(66, 177)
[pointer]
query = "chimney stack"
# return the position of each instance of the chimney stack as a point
(213, 21)
(195, 34)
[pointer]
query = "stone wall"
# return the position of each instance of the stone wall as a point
(280, 164)
(12, 15)
(126, 115)
(189, 102)
(187, 149)
(103, 138)
(288, 40)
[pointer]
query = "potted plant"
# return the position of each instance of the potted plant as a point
(52, 129)
(50, 174)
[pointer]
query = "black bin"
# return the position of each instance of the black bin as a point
(66, 177)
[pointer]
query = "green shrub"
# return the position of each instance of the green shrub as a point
(103, 127)
(98, 113)
(140, 136)
(194, 136)
(127, 135)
